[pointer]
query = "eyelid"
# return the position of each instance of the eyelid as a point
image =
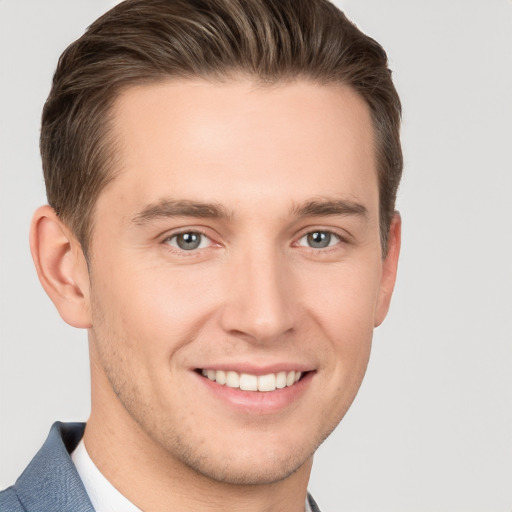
(169, 233)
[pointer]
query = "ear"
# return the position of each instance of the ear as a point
(61, 267)
(389, 269)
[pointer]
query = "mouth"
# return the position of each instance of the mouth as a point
(249, 382)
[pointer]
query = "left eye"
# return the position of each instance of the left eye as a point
(319, 239)
(189, 241)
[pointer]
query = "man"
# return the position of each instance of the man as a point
(221, 178)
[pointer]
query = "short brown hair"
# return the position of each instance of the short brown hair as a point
(143, 41)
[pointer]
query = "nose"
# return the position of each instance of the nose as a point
(259, 300)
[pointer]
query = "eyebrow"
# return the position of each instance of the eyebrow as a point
(179, 208)
(167, 208)
(327, 207)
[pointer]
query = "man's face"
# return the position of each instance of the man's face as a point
(239, 239)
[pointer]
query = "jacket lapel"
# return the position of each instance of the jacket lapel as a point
(50, 482)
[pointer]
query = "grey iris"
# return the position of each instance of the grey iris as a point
(319, 239)
(188, 241)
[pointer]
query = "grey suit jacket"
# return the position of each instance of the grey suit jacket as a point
(51, 483)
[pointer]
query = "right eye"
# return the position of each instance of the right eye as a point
(189, 241)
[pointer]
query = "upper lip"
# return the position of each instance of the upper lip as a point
(253, 369)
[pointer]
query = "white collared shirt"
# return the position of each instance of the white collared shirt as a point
(103, 495)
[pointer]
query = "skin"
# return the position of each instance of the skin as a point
(277, 163)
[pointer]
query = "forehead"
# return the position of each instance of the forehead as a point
(221, 142)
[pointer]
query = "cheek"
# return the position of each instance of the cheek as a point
(344, 310)
(343, 298)
(156, 309)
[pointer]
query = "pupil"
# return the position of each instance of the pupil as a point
(188, 241)
(319, 239)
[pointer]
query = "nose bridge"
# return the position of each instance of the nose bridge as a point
(259, 301)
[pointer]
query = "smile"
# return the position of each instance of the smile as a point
(248, 382)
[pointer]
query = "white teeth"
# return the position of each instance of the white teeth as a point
(220, 377)
(267, 382)
(232, 380)
(248, 382)
(281, 380)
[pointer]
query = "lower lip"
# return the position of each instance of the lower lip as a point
(258, 402)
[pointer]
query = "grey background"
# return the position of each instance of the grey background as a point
(431, 427)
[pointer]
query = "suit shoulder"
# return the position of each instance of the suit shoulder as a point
(9, 501)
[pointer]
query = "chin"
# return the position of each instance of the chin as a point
(250, 458)
(261, 469)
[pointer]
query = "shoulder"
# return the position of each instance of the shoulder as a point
(50, 482)
(9, 501)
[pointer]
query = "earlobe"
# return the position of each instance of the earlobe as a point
(61, 266)
(389, 269)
